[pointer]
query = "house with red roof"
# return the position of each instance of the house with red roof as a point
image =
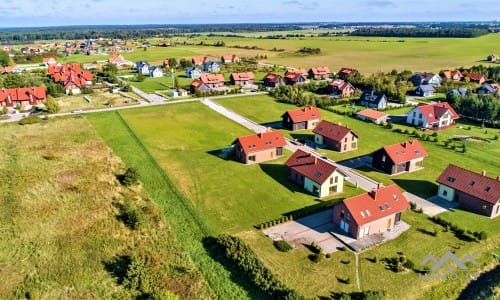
(199, 60)
(433, 116)
(346, 72)
(208, 83)
(260, 147)
(316, 175)
(48, 61)
(372, 115)
(401, 157)
(478, 78)
(272, 80)
(341, 88)
(25, 97)
(473, 191)
(335, 136)
(119, 60)
(301, 118)
(295, 76)
(71, 77)
(242, 78)
(232, 58)
(319, 73)
(455, 75)
(370, 213)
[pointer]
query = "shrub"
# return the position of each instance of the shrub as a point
(413, 205)
(389, 125)
(315, 257)
(434, 134)
(282, 245)
(130, 177)
(132, 215)
(414, 132)
(328, 255)
(483, 235)
(30, 120)
(409, 264)
(419, 210)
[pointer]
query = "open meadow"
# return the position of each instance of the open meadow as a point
(65, 233)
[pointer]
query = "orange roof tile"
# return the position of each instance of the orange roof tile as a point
(304, 114)
(405, 151)
(372, 114)
(310, 166)
(261, 141)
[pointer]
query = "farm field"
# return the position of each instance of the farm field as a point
(63, 235)
(480, 155)
(230, 197)
(367, 54)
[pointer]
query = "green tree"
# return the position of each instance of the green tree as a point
(5, 59)
(51, 105)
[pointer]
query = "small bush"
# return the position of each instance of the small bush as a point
(30, 120)
(328, 255)
(434, 134)
(483, 236)
(413, 205)
(132, 215)
(130, 177)
(409, 264)
(315, 257)
(282, 245)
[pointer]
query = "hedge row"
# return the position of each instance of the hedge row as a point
(247, 261)
(460, 232)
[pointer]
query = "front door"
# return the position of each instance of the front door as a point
(389, 223)
(397, 218)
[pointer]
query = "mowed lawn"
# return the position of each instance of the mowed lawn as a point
(479, 155)
(186, 140)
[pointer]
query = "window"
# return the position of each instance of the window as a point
(383, 158)
(331, 180)
(498, 208)
(472, 183)
(345, 140)
(387, 205)
(420, 115)
(342, 215)
(345, 147)
(420, 163)
(414, 114)
(362, 214)
(445, 193)
(336, 179)
(353, 145)
(348, 216)
(367, 212)
(484, 207)
(381, 207)
(488, 188)
(451, 179)
(251, 158)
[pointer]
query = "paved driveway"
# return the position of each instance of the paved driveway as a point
(432, 206)
(313, 228)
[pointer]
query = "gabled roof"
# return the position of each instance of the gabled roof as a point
(231, 57)
(424, 76)
(303, 114)
(199, 59)
(310, 166)
(212, 78)
(460, 91)
(261, 141)
(471, 183)
(425, 88)
(332, 131)
(22, 94)
(320, 70)
(191, 69)
(272, 77)
(450, 74)
(434, 111)
(475, 77)
(348, 71)
(405, 151)
(377, 204)
(242, 76)
(294, 77)
(116, 57)
(300, 71)
(372, 97)
(341, 84)
(372, 114)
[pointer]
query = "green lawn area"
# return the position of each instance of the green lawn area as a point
(479, 155)
(151, 85)
(99, 99)
(230, 196)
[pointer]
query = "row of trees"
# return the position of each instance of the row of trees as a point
(421, 32)
(394, 85)
(477, 107)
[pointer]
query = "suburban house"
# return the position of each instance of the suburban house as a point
(199, 60)
(370, 213)
(319, 73)
(156, 71)
(259, 147)
(22, 96)
(344, 73)
(492, 58)
(300, 71)
(211, 67)
(455, 75)
(488, 88)
(119, 60)
(193, 72)
(164, 44)
(335, 136)
(477, 78)
(425, 78)
(292, 78)
(372, 99)
(208, 83)
(424, 90)
(232, 58)
(371, 115)
(401, 157)
(301, 118)
(473, 191)
(272, 80)
(49, 61)
(242, 78)
(433, 116)
(10, 69)
(340, 88)
(457, 92)
(71, 77)
(315, 175)
(142, 67)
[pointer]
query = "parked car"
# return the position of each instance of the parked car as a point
(76, 111)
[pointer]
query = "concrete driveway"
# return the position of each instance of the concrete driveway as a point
(315, 228)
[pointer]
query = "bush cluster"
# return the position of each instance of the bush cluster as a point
(460, 232)
(30, 120)
(282, 245)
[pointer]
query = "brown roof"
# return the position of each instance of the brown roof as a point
(475, 77)
(433, 112)
(199, 59)
(405, 151)
(474, 184)
(300, 71)
(303, 114)
(310, 166)
(332, 131)
(372, 114)
(294, 77)
(320, 70)
(212, 78)
(242, 76)
(261, 141)
(376, 204)
(271, 77)
(341, 84)
(450, 74)
(348, 71)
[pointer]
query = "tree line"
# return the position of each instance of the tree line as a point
(477, 107)
(421, 32)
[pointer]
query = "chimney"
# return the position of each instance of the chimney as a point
(483, 173)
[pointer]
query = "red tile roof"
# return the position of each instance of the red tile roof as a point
(450, 74)
(380, 203)
(332, 131)
(300, 71)
(310, 166)
(212, 78)
(476, 77)
(471, 183)
(261, 141)
(340, 84)
(22, 94)
(243, 76)
(271, 77)
(199, 59)
(304, 114)
(348, 71)
(405, 151)
(372, 114)
(433, 112)
(294, 77)
(116, 57)
(70, 75)
(231, 57)
(320, 70)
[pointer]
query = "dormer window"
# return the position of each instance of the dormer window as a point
(451, 179)
(367, 212)
(472, 183)
(487, 189)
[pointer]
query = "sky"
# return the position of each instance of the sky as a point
(34, 13)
